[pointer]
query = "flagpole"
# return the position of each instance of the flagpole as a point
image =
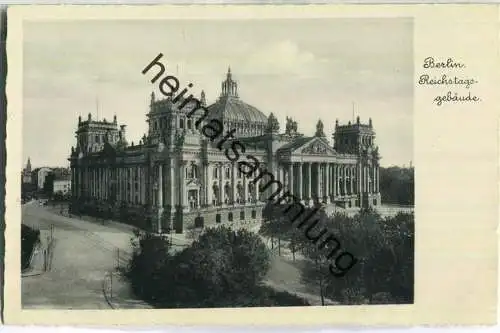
(97, 106)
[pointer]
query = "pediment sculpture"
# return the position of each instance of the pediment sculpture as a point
(316, 148)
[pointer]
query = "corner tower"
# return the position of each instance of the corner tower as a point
(92, 134)
(354, 138)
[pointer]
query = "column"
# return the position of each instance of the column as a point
(327, 182)
(160, 185)
(334, 180)
(182, 175)
(301, 185)
(101, 183)
(125, 182)
(378, 179)
(290, 178)
(221, 187)
(351, 172)
(207, 184)
(344, 174)
(245, 189)
(318, 181)
(308, 180)
(359, 184)
(282, 175)
(365, 176)
(373, 178)
(107, 176)
(233, 183)
(91, 182)
(347, 177)
(105, 183)
(172, 198)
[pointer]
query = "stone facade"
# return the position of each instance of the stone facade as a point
(178, 178)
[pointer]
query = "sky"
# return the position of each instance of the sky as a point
(307, 69)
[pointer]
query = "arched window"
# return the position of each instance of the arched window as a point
(228, 172)
(242, 215)
(216, 173)
(230, 217)
(217, 218)
(181, 123)
(189, 124)
(254, 214)
(199, 222)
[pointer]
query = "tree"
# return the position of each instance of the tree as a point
(280, 226)
(397, 185)
(149, 257)
(221, 268)
(384, 251)
(224, 263)
(48, 185)
(316, 270)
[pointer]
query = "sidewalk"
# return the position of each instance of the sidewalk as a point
(118, 293)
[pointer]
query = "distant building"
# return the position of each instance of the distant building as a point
(26, 175)
(39, 175)
(62, 186)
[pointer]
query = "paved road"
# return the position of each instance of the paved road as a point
(83, 253)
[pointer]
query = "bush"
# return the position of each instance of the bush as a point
(150, 254)
(222, 268)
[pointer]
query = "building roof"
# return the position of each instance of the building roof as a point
(296, 143)
(233, 109)
(230, 107)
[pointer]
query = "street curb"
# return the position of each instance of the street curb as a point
(104, 289)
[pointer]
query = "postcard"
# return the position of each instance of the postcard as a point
(252, 165)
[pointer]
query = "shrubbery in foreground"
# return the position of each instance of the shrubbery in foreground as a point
(29, 238)
(383, 248)
(222, 268)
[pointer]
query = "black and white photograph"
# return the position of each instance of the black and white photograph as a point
(251, 165)
(202, 164)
